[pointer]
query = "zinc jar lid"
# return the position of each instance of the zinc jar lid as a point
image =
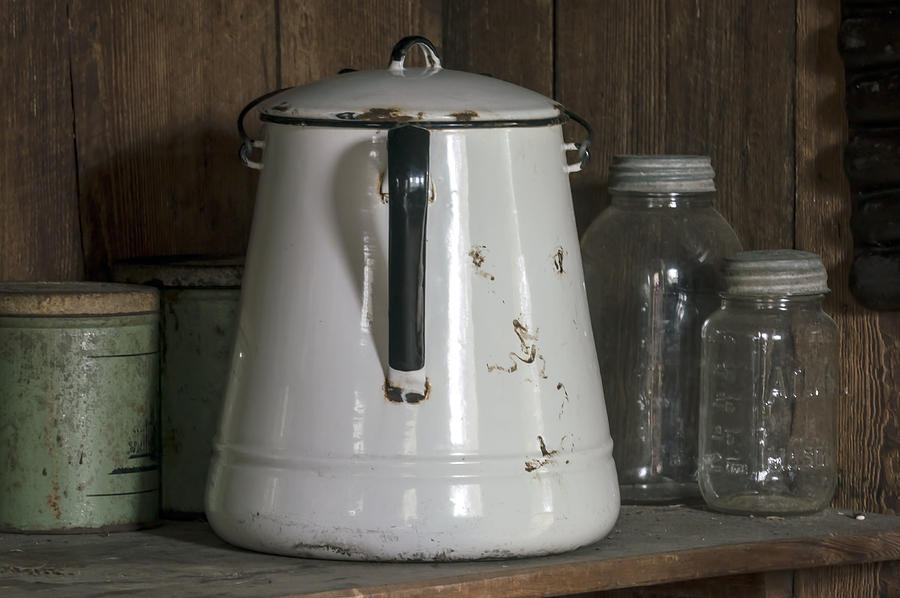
(431, 96)
(76, 299)
(661, 173)
(775, 273)
(182, 271)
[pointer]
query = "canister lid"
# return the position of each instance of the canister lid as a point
(661, 174)
(182, 271)
(775, 273)
(430, 95)
(75, 299)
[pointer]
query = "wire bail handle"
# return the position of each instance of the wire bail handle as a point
(583, 147)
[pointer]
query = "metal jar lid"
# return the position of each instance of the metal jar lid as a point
(661, 174)
(775, 273)
(182, 271)
(38, 299)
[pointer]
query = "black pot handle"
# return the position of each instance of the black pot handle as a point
(408, 185)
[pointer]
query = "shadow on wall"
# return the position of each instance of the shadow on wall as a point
(589, 198)
(185, 194)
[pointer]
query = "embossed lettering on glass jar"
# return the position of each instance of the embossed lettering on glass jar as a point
(768, 388)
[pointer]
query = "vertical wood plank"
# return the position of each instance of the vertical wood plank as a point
(39, 230)
(320, 37)
(688, 77)
(775, 584)
(729, 87)
(857, 581)
(889, 579)
(508, 39)
(610, 68)
(158, 85)
(868, 411)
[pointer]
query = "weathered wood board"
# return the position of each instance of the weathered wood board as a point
(39, 230)
(649, 545)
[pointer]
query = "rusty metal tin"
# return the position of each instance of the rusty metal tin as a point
(200, 298)
(78, 406)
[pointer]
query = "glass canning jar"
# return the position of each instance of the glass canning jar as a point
(768, 388)
(652, 271)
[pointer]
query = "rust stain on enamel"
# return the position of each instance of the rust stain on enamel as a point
(464, 116)
(545, 458)
(395, 394)
(558, 260)
(391, 113)
(477, 255)
(528, 349)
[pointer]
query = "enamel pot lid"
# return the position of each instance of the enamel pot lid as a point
(432, 96)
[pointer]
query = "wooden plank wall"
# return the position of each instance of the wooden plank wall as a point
(39, 233)
(689, 77)
(119, 137)
(155, 87)
(869, 410)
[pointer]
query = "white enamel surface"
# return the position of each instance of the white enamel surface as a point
(430, 94)
(504, 458)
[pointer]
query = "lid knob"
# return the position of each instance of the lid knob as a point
(401, 49)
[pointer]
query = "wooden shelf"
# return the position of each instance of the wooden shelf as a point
(649, 545)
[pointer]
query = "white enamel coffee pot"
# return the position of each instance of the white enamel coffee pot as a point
(403, 387)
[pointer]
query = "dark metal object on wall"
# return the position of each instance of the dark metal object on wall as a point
(870, 46)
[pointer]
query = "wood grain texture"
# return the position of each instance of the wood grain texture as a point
(777, 584)
(688, 77)
(868, 410)
(39, 229)
(618, 573)
(888, 579)
(868, 356)
(157, 89)
(320, 37)
(508, 39)
(857, 581)
(649, 546)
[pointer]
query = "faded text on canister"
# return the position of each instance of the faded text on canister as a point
(78, 406)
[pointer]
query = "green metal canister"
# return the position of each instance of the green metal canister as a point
(78, 406)
(200, 299)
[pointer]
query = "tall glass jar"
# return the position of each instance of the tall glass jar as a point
(652, 271)
(768, 388)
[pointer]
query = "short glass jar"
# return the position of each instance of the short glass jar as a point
(769, 388)
(652, 264)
